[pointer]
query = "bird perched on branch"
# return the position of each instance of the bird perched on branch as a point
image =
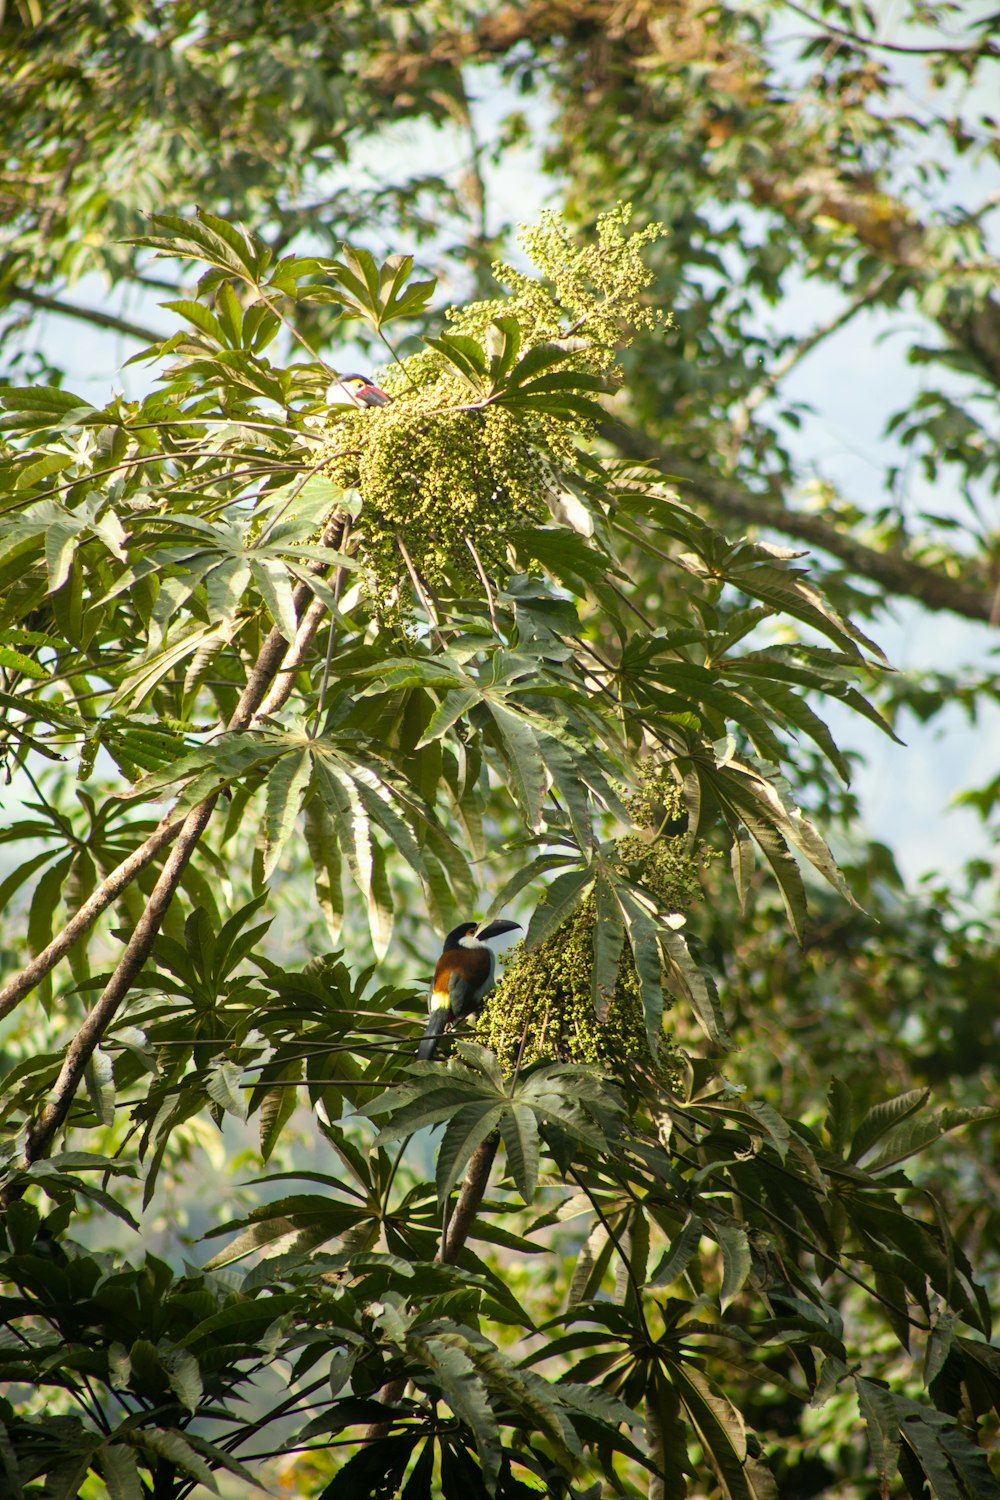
(463, 977)
(363, 389)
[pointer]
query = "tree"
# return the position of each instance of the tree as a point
(451, 645)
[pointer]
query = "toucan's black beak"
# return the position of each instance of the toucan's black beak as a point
(495, 929)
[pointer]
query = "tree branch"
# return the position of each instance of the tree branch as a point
(984, 48)
(881, 223)
(79, 1052)
(887, 227)
(476, 1179)
(897, 574)
(453, 1240)
(84, 314)
(254, 701)
(84, 918)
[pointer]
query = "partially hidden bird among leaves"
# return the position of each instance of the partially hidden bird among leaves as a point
(363, 389)
(463, 977)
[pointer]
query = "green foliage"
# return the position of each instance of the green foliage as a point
(684, 1214)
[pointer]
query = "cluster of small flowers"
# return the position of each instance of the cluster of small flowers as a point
(542, 1009)
(594, 293)
(449, 481)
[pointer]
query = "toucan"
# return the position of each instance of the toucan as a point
(364, 389)
(463, 977)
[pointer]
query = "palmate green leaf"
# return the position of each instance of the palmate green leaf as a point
(575, 565)
(223, 762)
(643, 934)
(191, 640)
(347, 813)
(286, 787)
(209, 239)
(742, 864)
(777, 669)
(23, 873)
(722, 1435)
(410, 1108)
(913, 1135)
(695, 984)
(882, 1117)
(222, 1083)
(355, 799)
(119, 1469)
(765, 572)
(140, 744)
(527, 875)
(675, 1261)
(100, 1083)
(225, 584)
(503, 344)
(565, 405)
(200, 317)
(45, 408)
(462, 1389)
(465, 1133)
(220, 1459)
(377, 1469)
(609, 941)
(591, 1266)
(539, 359)
(12, 660)
(324, 854)
(570, 775)
(235, 371)
(525, 762)
(184, 1375)
(745, 805)
(380, 801)
(257, 1237)
(736, 1261)
(45, 903)
(169, 1444)
(377, 294)
(454, 706)
(763, 805)
(519, 1132)
(969, 1462)
(465, 355)
(559, 900)
(230, 314)
(666, 1433)
(572, 1100)
(954, 1466)
(278, 1105)
(921, 1257)
(540, 1403)
(802, 833)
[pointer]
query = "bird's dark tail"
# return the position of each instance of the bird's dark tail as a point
(436, 1023)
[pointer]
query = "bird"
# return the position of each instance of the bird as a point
(364, 389)
(462, 979)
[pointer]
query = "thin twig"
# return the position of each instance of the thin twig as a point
(331, 636)
(422, 590)
(973, 49)
(484, 581)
